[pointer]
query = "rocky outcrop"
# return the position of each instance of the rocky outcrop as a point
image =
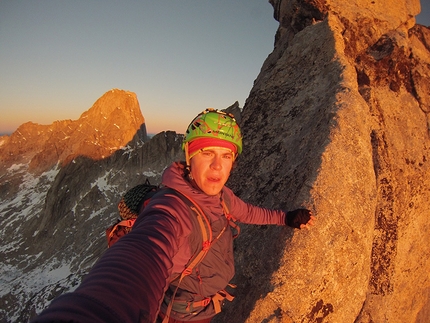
(110, 124)
(337, 121)
(236, 111)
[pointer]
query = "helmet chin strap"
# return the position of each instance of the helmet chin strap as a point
(188, 167)
(189, 176)
(187, 156)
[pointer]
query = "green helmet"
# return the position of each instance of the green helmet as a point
(217, 124)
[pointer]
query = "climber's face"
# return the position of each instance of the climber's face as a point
(210, 169)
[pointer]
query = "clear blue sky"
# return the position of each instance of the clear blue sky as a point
(58, 57)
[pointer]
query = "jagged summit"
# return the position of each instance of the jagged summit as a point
(108, 105)
(112, 121)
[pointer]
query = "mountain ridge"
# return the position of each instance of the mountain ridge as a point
(108, 125)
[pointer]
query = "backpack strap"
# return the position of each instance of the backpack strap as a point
(206, 244)
(230, 219)
(123, 223)
(208, 241)
(219, 297)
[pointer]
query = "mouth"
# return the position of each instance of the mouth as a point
(213, 179)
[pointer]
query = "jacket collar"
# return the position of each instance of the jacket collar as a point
(174, 177)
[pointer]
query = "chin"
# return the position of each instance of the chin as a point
(212, 191)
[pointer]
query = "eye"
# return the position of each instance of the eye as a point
(207, 153)
(228, 156)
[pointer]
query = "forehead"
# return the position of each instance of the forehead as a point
(218, 150)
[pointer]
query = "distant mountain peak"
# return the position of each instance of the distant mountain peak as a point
(112, 100)
(111, 123)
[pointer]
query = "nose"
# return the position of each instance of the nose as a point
(216, 163)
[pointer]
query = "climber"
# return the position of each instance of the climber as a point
(136, 280)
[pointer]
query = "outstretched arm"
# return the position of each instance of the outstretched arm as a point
(128, 282)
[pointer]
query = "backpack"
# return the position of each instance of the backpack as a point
(129, 207)
(131, 203)
(139, 196)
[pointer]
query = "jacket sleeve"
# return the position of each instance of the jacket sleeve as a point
(252, 214)
(128, 282)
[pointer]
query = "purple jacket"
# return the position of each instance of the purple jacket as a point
(128, 283)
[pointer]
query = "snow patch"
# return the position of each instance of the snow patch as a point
(16, 167)
(97, 213)
(150, 174)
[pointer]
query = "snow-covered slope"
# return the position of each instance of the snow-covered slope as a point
(52, 225)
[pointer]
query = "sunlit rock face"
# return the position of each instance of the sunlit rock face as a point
(107, 126)
(338, 122)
